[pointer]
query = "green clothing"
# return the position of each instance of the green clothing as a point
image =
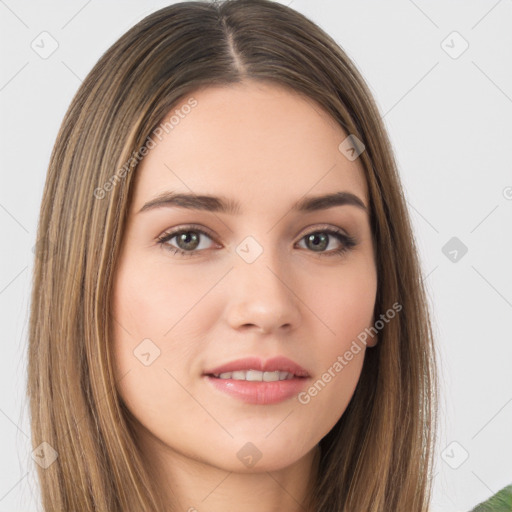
(500, 502)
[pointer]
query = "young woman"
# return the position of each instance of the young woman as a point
(228, 310)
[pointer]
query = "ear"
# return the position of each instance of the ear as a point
(372, 341)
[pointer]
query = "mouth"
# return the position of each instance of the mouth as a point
(256, 369)
(259, 382)
(256, 376)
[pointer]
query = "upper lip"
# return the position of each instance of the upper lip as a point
(282, 364)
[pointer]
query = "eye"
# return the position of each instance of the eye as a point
(321, 239)
(188, 240)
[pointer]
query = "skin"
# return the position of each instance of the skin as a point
(266, 147)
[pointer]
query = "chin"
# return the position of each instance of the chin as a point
(260, 456)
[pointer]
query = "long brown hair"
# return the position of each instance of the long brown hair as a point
(378, 457)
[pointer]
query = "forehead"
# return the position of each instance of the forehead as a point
(259, 143)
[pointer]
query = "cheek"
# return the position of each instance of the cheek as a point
(324, 402)
(148, 352)
(157, 331)
(149, 300)
(345, 302)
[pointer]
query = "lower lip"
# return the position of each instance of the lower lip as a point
(259, 392)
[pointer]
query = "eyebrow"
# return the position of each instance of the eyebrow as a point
(232, 207)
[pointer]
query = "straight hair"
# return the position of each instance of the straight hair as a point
(379, 455)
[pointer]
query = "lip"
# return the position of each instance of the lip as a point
(259, 392)
(280, 363)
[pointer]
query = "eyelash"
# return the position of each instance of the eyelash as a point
(347, 241)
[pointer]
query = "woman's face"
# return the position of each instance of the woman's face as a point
(199, 286)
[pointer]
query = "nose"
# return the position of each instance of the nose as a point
(262, 296)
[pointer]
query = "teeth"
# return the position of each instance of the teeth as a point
(270, 376)
(255, 376)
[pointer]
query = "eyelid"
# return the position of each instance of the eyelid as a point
(197, 227)
(312, 228)
(187, 227)
(172, 232)
(169, 234)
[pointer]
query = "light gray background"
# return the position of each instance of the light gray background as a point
(449, 117)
